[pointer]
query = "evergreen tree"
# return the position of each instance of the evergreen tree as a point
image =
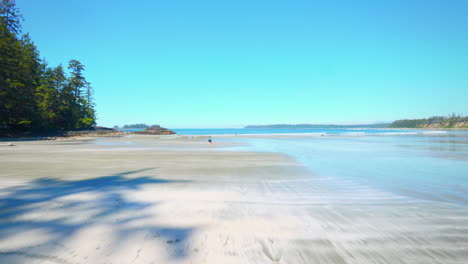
(47, 97)
(10, 16)
(10, 50)
(82, 108)
(34, 96)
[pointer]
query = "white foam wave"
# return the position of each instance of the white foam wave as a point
(398, 133)
(355, 133)
(434, 132)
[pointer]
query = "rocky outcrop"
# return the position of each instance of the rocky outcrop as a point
(97, 131)
(154, 130)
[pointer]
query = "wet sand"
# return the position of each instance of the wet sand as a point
(180, 200)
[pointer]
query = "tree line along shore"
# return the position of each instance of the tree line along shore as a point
(451, 122)
(41, 100)
(37, 98)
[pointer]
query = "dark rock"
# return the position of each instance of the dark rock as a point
(155, 130)
(97, 131)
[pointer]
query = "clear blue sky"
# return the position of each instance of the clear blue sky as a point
(232, 63)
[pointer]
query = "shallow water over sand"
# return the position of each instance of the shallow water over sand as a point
(144, 199)
(425, 166)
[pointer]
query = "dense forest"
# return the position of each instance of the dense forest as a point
(453, 121)
(36, 97)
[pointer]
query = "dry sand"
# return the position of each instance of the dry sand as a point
(148, 200)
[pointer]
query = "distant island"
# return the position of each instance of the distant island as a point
(453, 121)
(132, 126)
(135, 126)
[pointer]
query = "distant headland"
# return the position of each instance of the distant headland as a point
(315, 126)
(453, 121)
(435, 122)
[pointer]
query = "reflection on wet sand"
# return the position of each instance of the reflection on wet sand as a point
(184, 201)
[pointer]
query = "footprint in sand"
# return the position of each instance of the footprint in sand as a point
(268, 249)
(173, 241)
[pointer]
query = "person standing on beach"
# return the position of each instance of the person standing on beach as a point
(209, 140)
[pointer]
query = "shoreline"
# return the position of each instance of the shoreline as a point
(124, 134)
(144, 199)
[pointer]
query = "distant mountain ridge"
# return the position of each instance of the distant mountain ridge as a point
(305, 126)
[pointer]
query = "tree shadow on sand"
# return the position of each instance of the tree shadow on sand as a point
(60, 209)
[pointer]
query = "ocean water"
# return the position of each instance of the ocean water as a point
(365, 163)
(417, 164)
(425, 166)
(243, 131)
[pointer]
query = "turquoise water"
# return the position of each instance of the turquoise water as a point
(128, 130)
(423, 166)
(243, 131)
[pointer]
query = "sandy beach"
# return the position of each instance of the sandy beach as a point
(145, 199)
